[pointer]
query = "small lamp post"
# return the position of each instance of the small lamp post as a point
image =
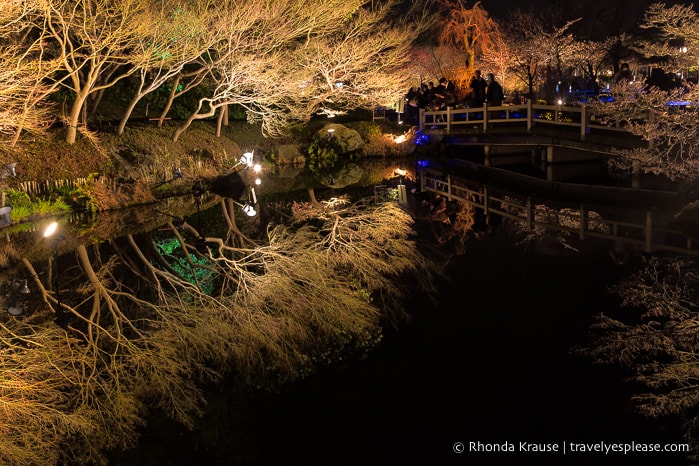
(15, 305)
(245, 160)
(249, 206)
(402, 193)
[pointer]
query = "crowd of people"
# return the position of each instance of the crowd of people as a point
(430, 97)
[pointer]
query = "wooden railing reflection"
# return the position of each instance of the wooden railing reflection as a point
(582, 220)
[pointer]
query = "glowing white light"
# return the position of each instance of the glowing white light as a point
(560, 102)
(339, 85)
(401, 171)
(50, 229)
(258, 181)
(246, 159)
(249, 209)
(257, 168)
(330, 113)
(399, 139)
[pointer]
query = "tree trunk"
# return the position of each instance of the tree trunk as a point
(219, 121)
(74, 117)
(129, 111)
(96, 103)
(192, 117)
(314, 201)
(15, 136)
(170, 99)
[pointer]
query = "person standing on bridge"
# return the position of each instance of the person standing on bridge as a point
(494, 95)
(478, 86)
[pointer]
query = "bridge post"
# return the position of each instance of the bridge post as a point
(485, 200)
(449, 186)
(583, 122)
(530, 115)
(449, 120)
(583, 220)
(530, 214)
(649, 231)
(485, 117)
(420, 118)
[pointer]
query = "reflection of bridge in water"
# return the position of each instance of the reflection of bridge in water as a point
(634, 217)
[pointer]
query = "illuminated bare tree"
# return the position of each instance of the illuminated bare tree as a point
(591, 56)
(664, 120)
(470, 31)
(184, 34)
(290, 65)
(535, 48)
(97, 44)
(430, 63)
(257, 53)
(675, 35)
(24, 66)
(361, 67)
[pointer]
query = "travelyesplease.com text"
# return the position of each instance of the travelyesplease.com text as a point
(569, 447)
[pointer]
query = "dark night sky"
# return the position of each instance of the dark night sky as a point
(498, 8)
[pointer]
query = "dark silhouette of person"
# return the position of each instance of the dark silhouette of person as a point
(478, 87)
(494, 95)
(624, 74)
(449, 91)
(423, 96)
(430, 94)
(443, 96)
(480, 223)
(660, 79)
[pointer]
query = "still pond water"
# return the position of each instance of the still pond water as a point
(490, 363)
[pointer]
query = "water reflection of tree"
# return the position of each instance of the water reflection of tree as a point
(562, 223)
(655, 339)
(147, 338)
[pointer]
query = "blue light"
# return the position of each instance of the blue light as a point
(421, 139)
(680, 103)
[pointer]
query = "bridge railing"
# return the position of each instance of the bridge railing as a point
(642, 232)
(529, 114)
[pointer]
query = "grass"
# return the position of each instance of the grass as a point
(38, 208)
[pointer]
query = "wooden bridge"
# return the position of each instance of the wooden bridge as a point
(633, 217)
(581, 119)
(556, 133)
